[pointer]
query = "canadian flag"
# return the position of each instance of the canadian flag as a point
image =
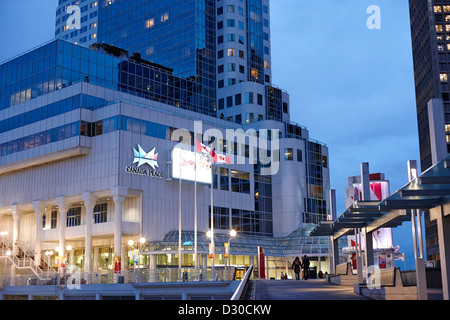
(205, 149)
(222, 159)
(217, 158)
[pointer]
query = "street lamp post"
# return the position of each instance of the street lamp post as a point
(48, 255)
(131, 244)
(232, 235)
(141, 243)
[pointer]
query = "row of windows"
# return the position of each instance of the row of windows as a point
(24, 79)
(248, 96)
(84, 128)
(441, 8)
(39, 139)
(123, 123)
(243, 221)
(74, 216)
(51, 110)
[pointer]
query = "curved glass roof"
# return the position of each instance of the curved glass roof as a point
(297, 243)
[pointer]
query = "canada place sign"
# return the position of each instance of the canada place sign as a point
(145, 158)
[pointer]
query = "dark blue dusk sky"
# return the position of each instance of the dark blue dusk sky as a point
(352, 87)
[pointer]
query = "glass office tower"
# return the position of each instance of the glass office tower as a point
(65, 28)
(176, 34)
(430, 34)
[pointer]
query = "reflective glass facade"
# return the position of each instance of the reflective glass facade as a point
(316, 205)
(255, 40)
(178, 34)
(60, 64)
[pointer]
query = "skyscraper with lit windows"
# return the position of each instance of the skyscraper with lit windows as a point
(87, 137)
(430, 34)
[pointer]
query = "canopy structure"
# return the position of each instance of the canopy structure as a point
(295, 244)
(362, 214)
(430, 191)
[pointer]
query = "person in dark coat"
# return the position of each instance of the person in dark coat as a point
(297, 267)
(305, 264)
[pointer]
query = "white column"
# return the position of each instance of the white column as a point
(17, 214)
(89, 203)
(39, 210)
(95, 264)
(63, 207)
(419, 257)
(118, 203)
(153, 268)
(443, 225)
(365, 187)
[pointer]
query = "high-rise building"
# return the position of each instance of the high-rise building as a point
(430, 33)
(82, 29)
(88, 132)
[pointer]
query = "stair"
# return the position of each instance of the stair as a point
(24, 261)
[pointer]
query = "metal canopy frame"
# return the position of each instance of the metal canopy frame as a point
(429, 190)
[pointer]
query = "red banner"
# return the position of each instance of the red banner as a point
(117, 264)
(210, 251)
(227, 250)
(262, 263)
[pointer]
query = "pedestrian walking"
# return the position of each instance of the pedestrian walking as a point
(305, 264)
(297, 267)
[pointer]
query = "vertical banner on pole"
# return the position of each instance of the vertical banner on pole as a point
(227, 250)
(261, 263)
(210, 250)
(117, 264)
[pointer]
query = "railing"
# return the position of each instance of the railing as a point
(74, 276)
(23, 260)
(240, 289)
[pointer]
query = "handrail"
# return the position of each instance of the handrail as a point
(237, 294)
(25, 262)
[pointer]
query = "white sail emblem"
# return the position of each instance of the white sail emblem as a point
(141, 157)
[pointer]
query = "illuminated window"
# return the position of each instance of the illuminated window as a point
(439, 28)
(446, 8)
(448, 138)
(447, 27)
(231, 52)
(447, 127)
(444, 76)
(289, 154)
(437, 9)
(266, 64)
(150, 23)
(254, 73)
(164, 17)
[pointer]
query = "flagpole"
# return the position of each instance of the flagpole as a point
(195, 220)
(179, 224)
(212, 223)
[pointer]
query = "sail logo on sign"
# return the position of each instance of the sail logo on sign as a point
(141, 158)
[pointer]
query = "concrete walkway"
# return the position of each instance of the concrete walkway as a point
(312, 289)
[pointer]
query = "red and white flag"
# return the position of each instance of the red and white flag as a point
(222, 159)
(205, 149)
(217, 158)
